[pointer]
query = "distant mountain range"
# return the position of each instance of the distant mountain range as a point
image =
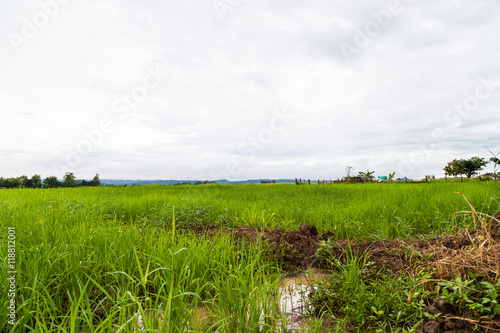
(176, 181)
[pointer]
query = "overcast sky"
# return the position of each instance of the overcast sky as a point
(241, 89)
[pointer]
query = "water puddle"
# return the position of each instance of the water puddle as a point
(294, 297)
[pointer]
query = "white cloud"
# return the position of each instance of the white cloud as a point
(225, 79)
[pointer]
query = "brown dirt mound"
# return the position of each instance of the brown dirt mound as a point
(467, 251)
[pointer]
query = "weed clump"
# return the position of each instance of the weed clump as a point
(440, 284)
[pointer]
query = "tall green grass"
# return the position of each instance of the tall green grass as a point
(82, 270)
(388, 210)
(101, 259)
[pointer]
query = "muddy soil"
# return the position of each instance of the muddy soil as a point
(296, 250)
(467, 251)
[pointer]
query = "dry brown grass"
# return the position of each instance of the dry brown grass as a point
(477, 250)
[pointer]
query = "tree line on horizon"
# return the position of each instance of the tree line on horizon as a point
(69, 180)
(468, 167)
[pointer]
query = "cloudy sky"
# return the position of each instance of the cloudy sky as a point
(240, 89)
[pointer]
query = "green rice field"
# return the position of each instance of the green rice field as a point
(125, 259)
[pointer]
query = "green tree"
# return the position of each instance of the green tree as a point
(25, 181)
(69, 180)
(36, 181)
(454, 168)
(473, 165)
(10, 182)
(469, 167)
(391, 176)
(95, 181)
(51, 182)
(367, 176)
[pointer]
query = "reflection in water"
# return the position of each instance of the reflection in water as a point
(294, 297)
